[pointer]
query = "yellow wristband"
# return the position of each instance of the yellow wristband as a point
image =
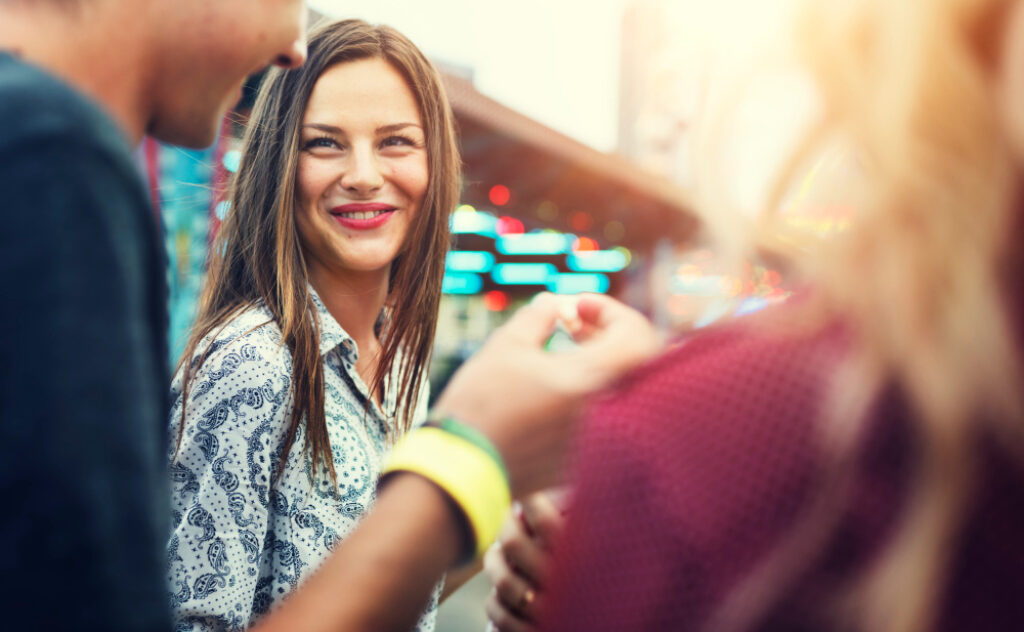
(469, 475)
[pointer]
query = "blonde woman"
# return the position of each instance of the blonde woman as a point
(851, 460)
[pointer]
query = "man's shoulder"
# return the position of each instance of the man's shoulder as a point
(60, 151)
(35, 105)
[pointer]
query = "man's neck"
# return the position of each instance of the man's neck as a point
(94, 50)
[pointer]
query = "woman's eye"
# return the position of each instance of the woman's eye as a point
(398, 141)
(320, 141)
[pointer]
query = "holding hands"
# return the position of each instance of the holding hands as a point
(519, 563)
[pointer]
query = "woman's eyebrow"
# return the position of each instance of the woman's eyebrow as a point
(330, 129)
(394, 127)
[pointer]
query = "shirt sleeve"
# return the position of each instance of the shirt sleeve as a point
(82, 387)
(222, 475)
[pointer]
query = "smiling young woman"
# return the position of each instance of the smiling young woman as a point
(310, 350)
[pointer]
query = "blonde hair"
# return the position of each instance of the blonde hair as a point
(920, 275)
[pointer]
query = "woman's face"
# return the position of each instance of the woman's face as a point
(362, 170)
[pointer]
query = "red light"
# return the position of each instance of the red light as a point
(584, 244)
(499, 195)
(509, 226)
(771, 277)
(580, 221)
(496, 300)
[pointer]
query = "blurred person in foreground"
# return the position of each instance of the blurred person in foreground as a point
(83, 412)
(854, 459)
(84, 316)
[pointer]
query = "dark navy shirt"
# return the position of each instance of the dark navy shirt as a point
(83, 373)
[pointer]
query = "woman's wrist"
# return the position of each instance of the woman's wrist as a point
(463, 463)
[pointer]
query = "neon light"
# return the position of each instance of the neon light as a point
(232, 160)
(478, 223)
(533, 244)
(461, 283)
(499, 195)
(496, 300)
(574, 283)
(221, 210)
(584, 243)
(510, 226)
(597, 261)
(465, 208)
(523, 273)
(469, 261)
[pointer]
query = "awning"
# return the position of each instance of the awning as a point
(558, 182)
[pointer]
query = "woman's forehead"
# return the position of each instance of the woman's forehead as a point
(364, 91)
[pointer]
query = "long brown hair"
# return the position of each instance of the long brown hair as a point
(257, 256)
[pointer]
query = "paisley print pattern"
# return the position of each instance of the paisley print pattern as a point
(243, 538)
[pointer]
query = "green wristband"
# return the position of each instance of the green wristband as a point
(474, 436)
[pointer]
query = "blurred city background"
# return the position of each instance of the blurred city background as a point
(580, 125)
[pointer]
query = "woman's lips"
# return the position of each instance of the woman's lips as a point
(362, 216)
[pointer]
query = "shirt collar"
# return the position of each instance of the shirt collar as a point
(332, 334)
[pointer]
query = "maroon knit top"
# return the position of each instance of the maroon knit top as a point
(709, 460)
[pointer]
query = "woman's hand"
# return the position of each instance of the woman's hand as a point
(519, 563)
(526, 399)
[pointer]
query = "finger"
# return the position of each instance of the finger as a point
(541, 518)
(514, 591)
(515, 548)
(569, 313)
(621, 338)
(604, 312)
(512, 573)
(527, 559)
(533, 323)
(495, 564)
(503, 619)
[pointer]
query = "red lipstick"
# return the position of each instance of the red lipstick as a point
(364, 216)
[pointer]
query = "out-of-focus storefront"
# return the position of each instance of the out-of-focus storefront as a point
(543, 212)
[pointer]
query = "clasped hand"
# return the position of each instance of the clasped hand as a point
(525, 399)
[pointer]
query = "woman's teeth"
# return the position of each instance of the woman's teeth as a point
(363, 214)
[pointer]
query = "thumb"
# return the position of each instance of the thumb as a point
(619, 339)
(534, 323)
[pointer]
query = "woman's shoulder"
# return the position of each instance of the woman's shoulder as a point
(253, 328)
(247, 347)
(749, 359)
(732, 402)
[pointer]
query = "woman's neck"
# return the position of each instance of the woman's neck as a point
(355, 301)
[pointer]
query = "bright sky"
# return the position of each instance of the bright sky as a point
(556, 61)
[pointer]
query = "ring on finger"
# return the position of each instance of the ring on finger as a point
(525, 600)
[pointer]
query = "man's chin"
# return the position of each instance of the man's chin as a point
(197, 133)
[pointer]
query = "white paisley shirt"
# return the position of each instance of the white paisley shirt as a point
(241, 541)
